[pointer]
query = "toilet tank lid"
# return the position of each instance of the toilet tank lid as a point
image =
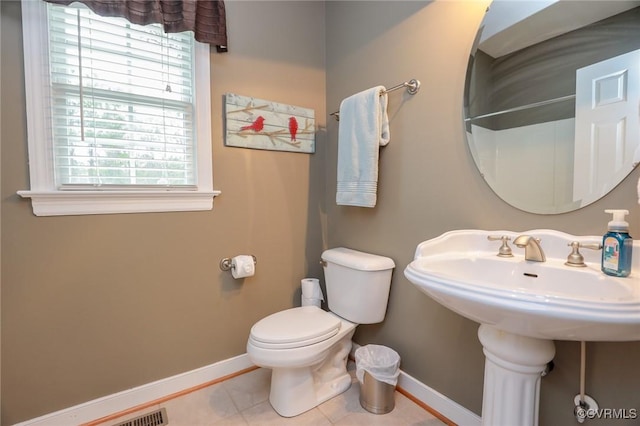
(357, 259)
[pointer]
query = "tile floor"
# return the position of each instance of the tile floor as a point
(243, 400)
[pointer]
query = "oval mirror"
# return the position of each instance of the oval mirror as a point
(551, 101)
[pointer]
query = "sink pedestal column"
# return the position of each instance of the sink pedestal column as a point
(512, 373)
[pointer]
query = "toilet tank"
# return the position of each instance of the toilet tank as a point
(357, 284)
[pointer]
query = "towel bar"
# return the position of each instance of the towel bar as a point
(412, 86)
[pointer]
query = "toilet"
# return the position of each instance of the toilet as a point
(307, 348)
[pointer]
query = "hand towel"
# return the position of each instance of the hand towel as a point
(363, 128)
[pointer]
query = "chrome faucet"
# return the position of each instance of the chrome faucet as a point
(532, 249)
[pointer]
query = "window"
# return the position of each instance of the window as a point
(118, 115)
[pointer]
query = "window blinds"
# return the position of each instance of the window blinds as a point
(122, 102)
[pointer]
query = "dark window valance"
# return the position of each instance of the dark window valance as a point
(206, 18)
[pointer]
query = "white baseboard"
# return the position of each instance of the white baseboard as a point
(434, 399)
(129, 398)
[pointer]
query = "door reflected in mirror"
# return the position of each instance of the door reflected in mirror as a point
(552, 101)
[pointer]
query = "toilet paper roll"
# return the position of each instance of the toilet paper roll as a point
(311, 288)
(242, 266)
(310, 302)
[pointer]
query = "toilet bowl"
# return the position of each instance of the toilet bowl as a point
(307, 368)
(307, 347)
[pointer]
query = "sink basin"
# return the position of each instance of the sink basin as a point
(544, 300)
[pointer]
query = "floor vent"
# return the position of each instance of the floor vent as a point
(156, 418)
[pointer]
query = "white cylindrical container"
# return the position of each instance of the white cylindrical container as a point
(311, 292)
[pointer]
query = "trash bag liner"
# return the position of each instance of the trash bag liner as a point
(381, 362)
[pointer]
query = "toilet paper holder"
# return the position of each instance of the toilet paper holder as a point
(225, 264)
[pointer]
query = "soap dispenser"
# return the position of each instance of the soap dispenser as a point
(617, 246)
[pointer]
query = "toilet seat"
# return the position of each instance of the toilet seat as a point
(294, 328)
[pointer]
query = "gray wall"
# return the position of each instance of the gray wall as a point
(93, 305)
(428, 185)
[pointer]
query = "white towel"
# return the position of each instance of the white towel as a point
(363, 128)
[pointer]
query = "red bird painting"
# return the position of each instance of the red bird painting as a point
(293, 128)
(256, 126)
(263, 124)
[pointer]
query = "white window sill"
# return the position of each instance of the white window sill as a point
(59, 203)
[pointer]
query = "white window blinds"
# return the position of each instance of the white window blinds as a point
(122, 107)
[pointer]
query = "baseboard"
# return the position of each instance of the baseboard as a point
(125, 400)
(437, 401)
(433, 399)
(140, 395)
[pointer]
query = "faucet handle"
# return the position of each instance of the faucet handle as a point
(575, 258)
(504, 250)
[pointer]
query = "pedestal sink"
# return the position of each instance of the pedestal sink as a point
(522, 306)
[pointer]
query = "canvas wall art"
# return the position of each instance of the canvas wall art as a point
(261, 124)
